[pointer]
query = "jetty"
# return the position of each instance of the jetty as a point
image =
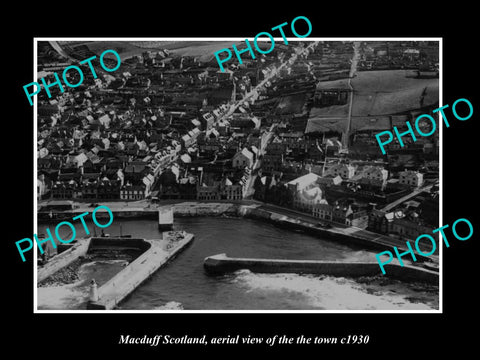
(221, 264)
(126, 281)
(165, 218)
(65, 258)
(150, 256)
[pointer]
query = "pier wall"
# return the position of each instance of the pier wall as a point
(205, 209)
(187, 208)
(126, 281)
(99, 243)
(63, 259)
(221, 264)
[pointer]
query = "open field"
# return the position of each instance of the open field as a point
(205, 50)
(126, 49)
(389, 81)
(333, 84)
(377, 94)
(364, 123)
(327, 124)
(329, 111)
(290, 104)
(391, 92)
(202, 49)
(123, 48)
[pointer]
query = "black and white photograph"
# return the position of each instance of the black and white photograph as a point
(255, 183)
(266, 179)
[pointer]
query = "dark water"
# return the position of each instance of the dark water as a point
(183, 283)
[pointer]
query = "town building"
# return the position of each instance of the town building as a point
(345, 171)
(305, 192)
(375, 173)
(306, 199)
(243, 158)
(411, 178)
(323, 211)
(403, 224)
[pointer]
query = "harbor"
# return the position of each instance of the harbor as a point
(182, 283)
(126, 281)
(286, 218)
(281, 144)
(145, 257)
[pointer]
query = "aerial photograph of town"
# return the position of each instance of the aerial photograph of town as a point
(257, 186)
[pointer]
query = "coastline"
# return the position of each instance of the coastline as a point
(282, 217)
(238, 210)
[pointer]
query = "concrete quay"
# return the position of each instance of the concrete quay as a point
(221, 264)
(126, 281)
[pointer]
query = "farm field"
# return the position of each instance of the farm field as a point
(204, 50)
(391, 92)
(377, 94)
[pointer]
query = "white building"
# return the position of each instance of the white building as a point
(148, 182)
(303, 182)
(411, 178)
(306, 192)
(79, 159)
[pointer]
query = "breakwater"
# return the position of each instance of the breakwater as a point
(147, 257)
(63, 259)
(221, 264)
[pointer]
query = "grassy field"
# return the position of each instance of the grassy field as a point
(331, 118)
(126, 49)
(290, 104)
(377, 94)
(204, 50)
(329, 111)
(337, 124)
(333, 84)
(388, 81)
(391, 92)
(370, 123)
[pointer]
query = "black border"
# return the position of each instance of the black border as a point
(411, 334)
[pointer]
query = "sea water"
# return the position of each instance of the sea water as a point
(183, 283)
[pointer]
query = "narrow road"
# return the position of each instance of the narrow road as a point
(406, 197)
(353, 70)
